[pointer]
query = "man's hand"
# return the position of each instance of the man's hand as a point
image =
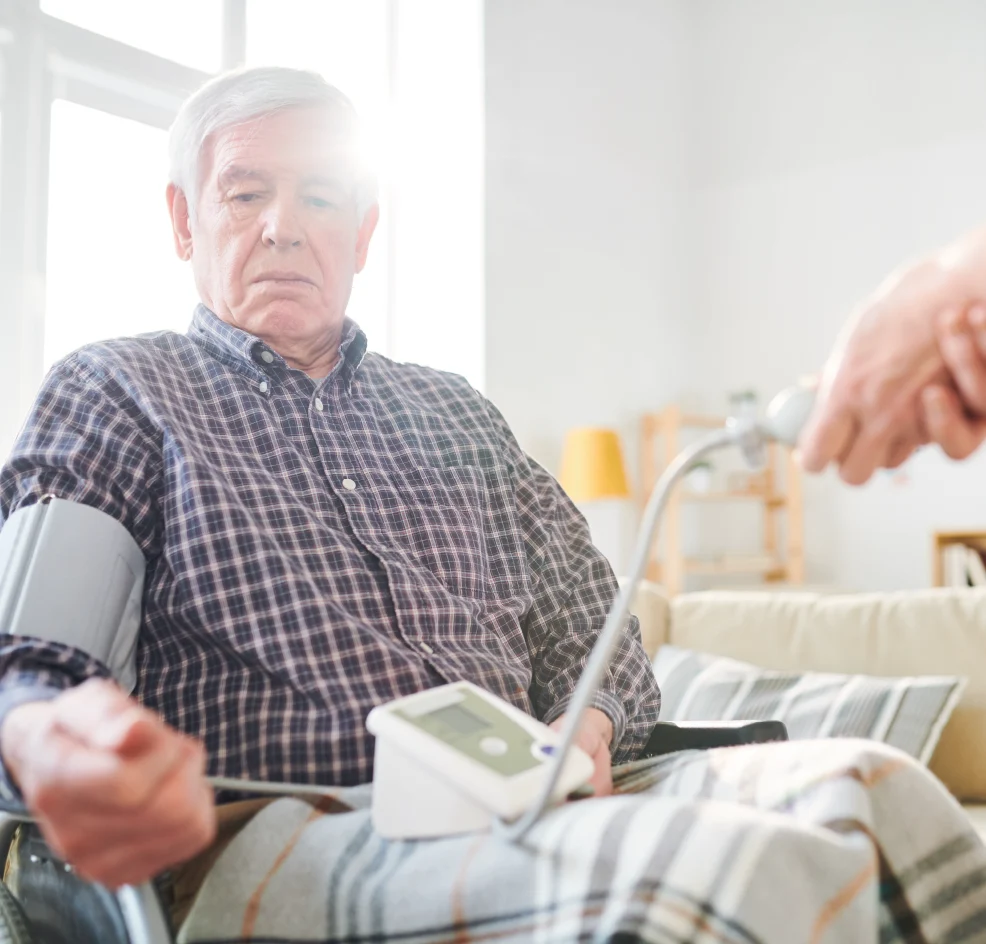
(595, 737)
(871, 411)
(116, 792)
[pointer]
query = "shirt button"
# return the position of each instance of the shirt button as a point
(348, 484)
(267, 357)
(319, 405)
(263, 386)
(426, 648)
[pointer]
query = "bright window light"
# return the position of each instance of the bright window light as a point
(187, 31)
(438, 140)
(346, 41)
(111, 264)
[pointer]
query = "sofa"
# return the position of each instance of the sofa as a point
(926, 632)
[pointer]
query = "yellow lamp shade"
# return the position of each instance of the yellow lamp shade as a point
(592, 465)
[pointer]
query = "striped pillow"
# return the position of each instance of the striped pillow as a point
(908, 713)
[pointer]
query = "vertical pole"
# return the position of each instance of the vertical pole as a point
(673, 570)
(234, 33)
(795, 522)
(770, 514)
(649, 429)
(24, 157)
(937, 570)
(389, 185)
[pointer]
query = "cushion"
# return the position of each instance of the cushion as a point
(908, 713)
(934, 632)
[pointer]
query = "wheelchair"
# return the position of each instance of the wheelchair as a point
(47, 903)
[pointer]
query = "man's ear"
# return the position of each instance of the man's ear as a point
(181, 226)
(366, 228)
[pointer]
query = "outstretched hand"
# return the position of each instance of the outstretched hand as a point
(911, 354)
(117, 793)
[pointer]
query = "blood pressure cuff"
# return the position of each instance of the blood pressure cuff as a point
(73, 575)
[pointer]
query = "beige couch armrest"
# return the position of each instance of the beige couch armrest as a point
(928, 632)
(651, 606)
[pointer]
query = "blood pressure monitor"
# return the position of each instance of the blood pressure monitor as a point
(451, 759)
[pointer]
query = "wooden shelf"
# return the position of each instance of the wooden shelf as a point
(772, 500)
(943, 539)
(728, 564)
(777, 491)
(698, 421)
(654, 422)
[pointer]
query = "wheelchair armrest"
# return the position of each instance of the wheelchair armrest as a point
(670, 736)
(143, 915)
(8, 826)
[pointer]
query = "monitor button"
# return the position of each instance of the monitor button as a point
(494, 746)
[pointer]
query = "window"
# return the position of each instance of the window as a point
(187, 31)
(111, 265)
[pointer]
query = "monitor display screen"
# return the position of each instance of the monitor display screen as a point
(460, 720)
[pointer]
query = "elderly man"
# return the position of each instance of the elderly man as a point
(325, 530)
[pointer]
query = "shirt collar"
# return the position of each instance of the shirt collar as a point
(214, 333)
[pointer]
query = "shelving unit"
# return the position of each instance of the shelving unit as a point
(778, 492)
(943, 539)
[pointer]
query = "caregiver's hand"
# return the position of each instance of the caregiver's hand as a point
(872, 410)
(957, 420)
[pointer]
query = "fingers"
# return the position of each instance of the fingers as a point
(117, 793)
(949, 426)
(866, 454)
(827, 437)
(901, 449)
(129, 749)
(602, 777)
(132, 847)
(884, 447)
(962, 339)
(95, 713)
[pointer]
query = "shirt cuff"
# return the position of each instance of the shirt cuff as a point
(10, 699)
(607, 703)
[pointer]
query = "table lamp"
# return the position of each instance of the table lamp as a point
(592, 465)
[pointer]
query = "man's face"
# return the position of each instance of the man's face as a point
(276, 239)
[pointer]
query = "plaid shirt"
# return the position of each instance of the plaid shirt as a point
(316, 547)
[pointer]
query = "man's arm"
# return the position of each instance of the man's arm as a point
(574, 587)
(81, 442)
(115, 791)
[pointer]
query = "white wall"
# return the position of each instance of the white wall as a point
(691, 195)
(832, 139)
(585, 163)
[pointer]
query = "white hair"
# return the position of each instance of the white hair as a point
(244, 94)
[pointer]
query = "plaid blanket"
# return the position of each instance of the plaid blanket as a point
(828, 842)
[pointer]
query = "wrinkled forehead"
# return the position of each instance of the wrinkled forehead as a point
(294, 143)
